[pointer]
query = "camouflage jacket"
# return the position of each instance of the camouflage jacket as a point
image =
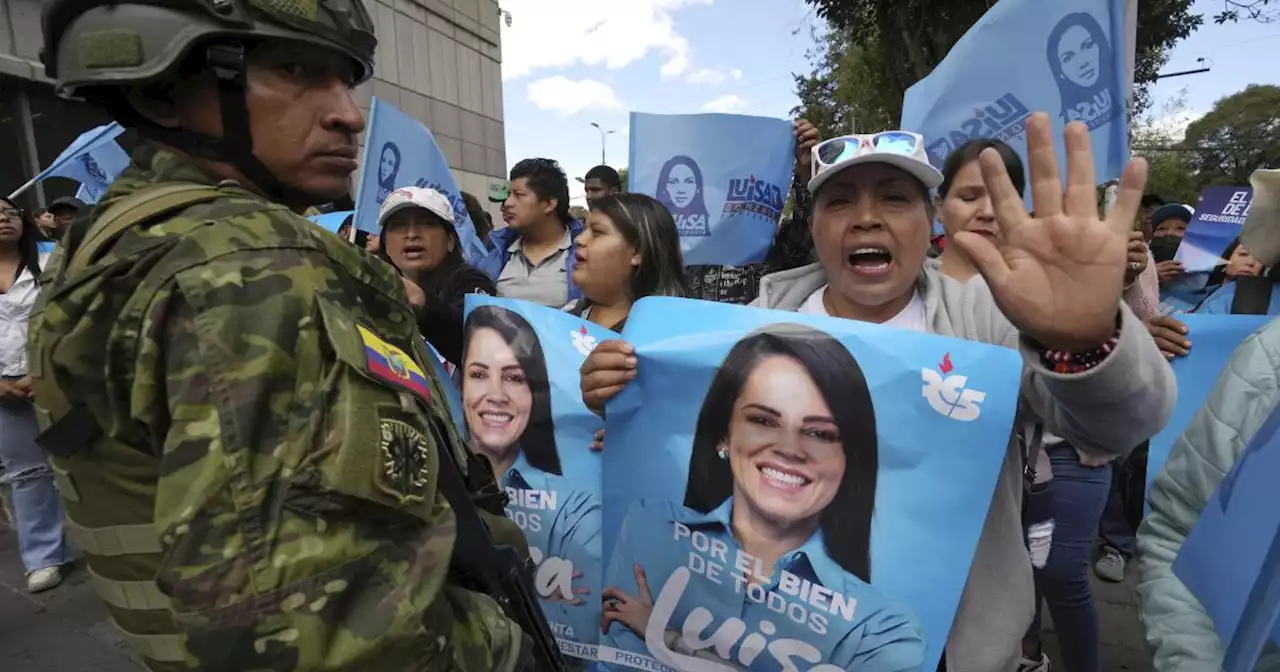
(275, 373)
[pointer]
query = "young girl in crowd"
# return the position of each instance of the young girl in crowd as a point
(1051, 288)
(418, 238)
(36, 507)
(628, 250)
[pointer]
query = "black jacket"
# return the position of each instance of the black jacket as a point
(440, 320)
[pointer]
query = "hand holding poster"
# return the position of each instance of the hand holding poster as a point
(1218, 220)
(523, 407)
(400, 152)
(792, 492)
(1066, 58)
(723, 177)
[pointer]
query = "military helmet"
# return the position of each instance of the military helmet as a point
(91, 43)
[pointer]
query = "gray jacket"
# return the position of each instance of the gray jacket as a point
(1105, 411)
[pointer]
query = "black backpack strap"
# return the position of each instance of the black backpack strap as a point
(1253, 295)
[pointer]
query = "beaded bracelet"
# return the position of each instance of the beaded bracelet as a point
(1079, 361)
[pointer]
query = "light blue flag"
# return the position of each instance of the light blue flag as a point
(723, 177)
(872, 451)
(1231, 559)
(331, 221)
(1213, 339)
(45, 248)
(1218, 220)
(1063, 57)
(522, 400)
(400, 152)
(94, 160)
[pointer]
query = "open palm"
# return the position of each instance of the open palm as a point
(1057, 275)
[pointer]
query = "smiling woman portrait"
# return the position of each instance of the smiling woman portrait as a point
(783, 466)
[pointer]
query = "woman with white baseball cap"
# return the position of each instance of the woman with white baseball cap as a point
(1050, 287)
(419, 239)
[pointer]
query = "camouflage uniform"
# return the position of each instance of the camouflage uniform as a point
(255, 483)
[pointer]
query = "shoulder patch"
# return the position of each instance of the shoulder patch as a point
(391, 364)
(406, 460)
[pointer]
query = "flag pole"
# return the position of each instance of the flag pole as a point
(24, 187)
(1112, 189)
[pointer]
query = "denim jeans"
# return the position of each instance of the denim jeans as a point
(35, 498)
(1079, 495)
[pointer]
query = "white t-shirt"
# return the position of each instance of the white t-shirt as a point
(910, 317)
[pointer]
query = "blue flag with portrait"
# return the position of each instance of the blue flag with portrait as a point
(1217, 223)
(1066, 58)
(400, 152)
(1214, 338)
(1231, 558)
(94, 160)
(723, 177)
(786, 491)
(522, 400)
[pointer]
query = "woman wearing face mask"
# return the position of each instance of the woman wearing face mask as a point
(36, 506)
(1051, 288)
(789, 403)
(628, 250)
(418, 238)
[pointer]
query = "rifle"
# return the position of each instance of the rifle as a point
(498, 569)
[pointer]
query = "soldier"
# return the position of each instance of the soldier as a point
(243, 429)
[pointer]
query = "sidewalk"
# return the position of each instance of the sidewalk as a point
(67, 629)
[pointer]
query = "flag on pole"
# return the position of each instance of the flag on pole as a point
(94, 160)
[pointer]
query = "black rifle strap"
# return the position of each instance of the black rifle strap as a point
(1253, 295)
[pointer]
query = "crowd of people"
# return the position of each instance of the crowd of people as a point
(174, 365)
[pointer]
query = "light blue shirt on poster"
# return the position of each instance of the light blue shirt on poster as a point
(882, 636)
(569, 531)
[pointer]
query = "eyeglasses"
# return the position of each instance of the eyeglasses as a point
(11, 213)
(835, 150)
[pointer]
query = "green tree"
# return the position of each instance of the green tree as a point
(1262, 11)
(876, 49)
(622, 173)
(1239, 135)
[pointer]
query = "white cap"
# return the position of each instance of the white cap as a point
(1261, 234)
(416, 197)
(915, 162)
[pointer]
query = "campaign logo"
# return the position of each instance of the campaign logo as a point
(948, 394)
(1080, 58)
(1004, 120)
(583, 342)
(94, 170)
(756, 196)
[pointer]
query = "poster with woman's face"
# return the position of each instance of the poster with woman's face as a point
(522, 403)
(788, 492)
(724, 178)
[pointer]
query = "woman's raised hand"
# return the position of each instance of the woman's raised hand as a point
(1057, 275)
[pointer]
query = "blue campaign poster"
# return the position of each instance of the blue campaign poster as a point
(1070, 63)
(723, 177)
(1218, 220)
(400, 152)
(1213, 339)
(522, 400)
(331, 221)
(791, 492)
(1231, 559)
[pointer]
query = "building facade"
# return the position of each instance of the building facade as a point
(437, 60)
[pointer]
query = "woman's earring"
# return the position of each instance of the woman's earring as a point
(722, 452)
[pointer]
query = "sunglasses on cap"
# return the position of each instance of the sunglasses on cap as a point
(833, 151)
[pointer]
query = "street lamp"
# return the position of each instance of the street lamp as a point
(603, 133)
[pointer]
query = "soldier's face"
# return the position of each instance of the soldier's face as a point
(301, 114)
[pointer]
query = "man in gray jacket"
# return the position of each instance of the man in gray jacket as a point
(1051, 287)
